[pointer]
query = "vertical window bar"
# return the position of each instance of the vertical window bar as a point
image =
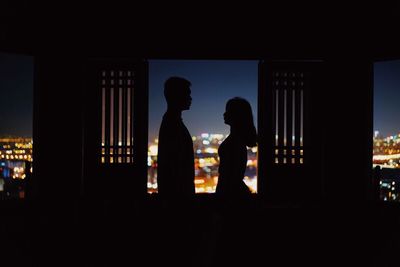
(131, 98)
(111, 124)
(107, 125)
(103, 116)
(128, 123)
(122, 116)
(124, 128)
(284, 118)
(301, 117)
(293, 116)
(276, 116)
(302, 126)
(112, 118)
(103, 123)
(275, 119)
(281, 121)
(128, 117)
(104, 148)
(289, 124)
(297, 125)
(116, 125)
(120, 125)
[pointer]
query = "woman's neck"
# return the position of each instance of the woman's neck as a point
(174, 111)
(234, 132)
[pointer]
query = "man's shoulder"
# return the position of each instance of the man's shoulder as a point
(171, 122)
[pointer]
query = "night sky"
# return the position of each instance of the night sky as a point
(16, 95)
(214, 82)
(387, 97)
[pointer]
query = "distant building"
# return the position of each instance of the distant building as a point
(15, 154)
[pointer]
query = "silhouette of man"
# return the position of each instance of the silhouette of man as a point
(175, 170)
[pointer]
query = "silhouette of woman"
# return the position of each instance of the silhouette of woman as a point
(231, 191)
(233, 150)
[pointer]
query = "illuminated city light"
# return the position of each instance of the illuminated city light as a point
(251, 183)
(386, 155)
(200, 190)
(211, 150)
(153, 150)
(217, 136)
(205, 135)
(206, 164)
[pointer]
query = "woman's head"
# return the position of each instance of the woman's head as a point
(239, 116)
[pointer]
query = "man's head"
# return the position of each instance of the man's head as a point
(177, 93)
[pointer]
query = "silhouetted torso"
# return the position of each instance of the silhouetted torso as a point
(175, 170)
(233, 161)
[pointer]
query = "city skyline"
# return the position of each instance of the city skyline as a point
(206, 163)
